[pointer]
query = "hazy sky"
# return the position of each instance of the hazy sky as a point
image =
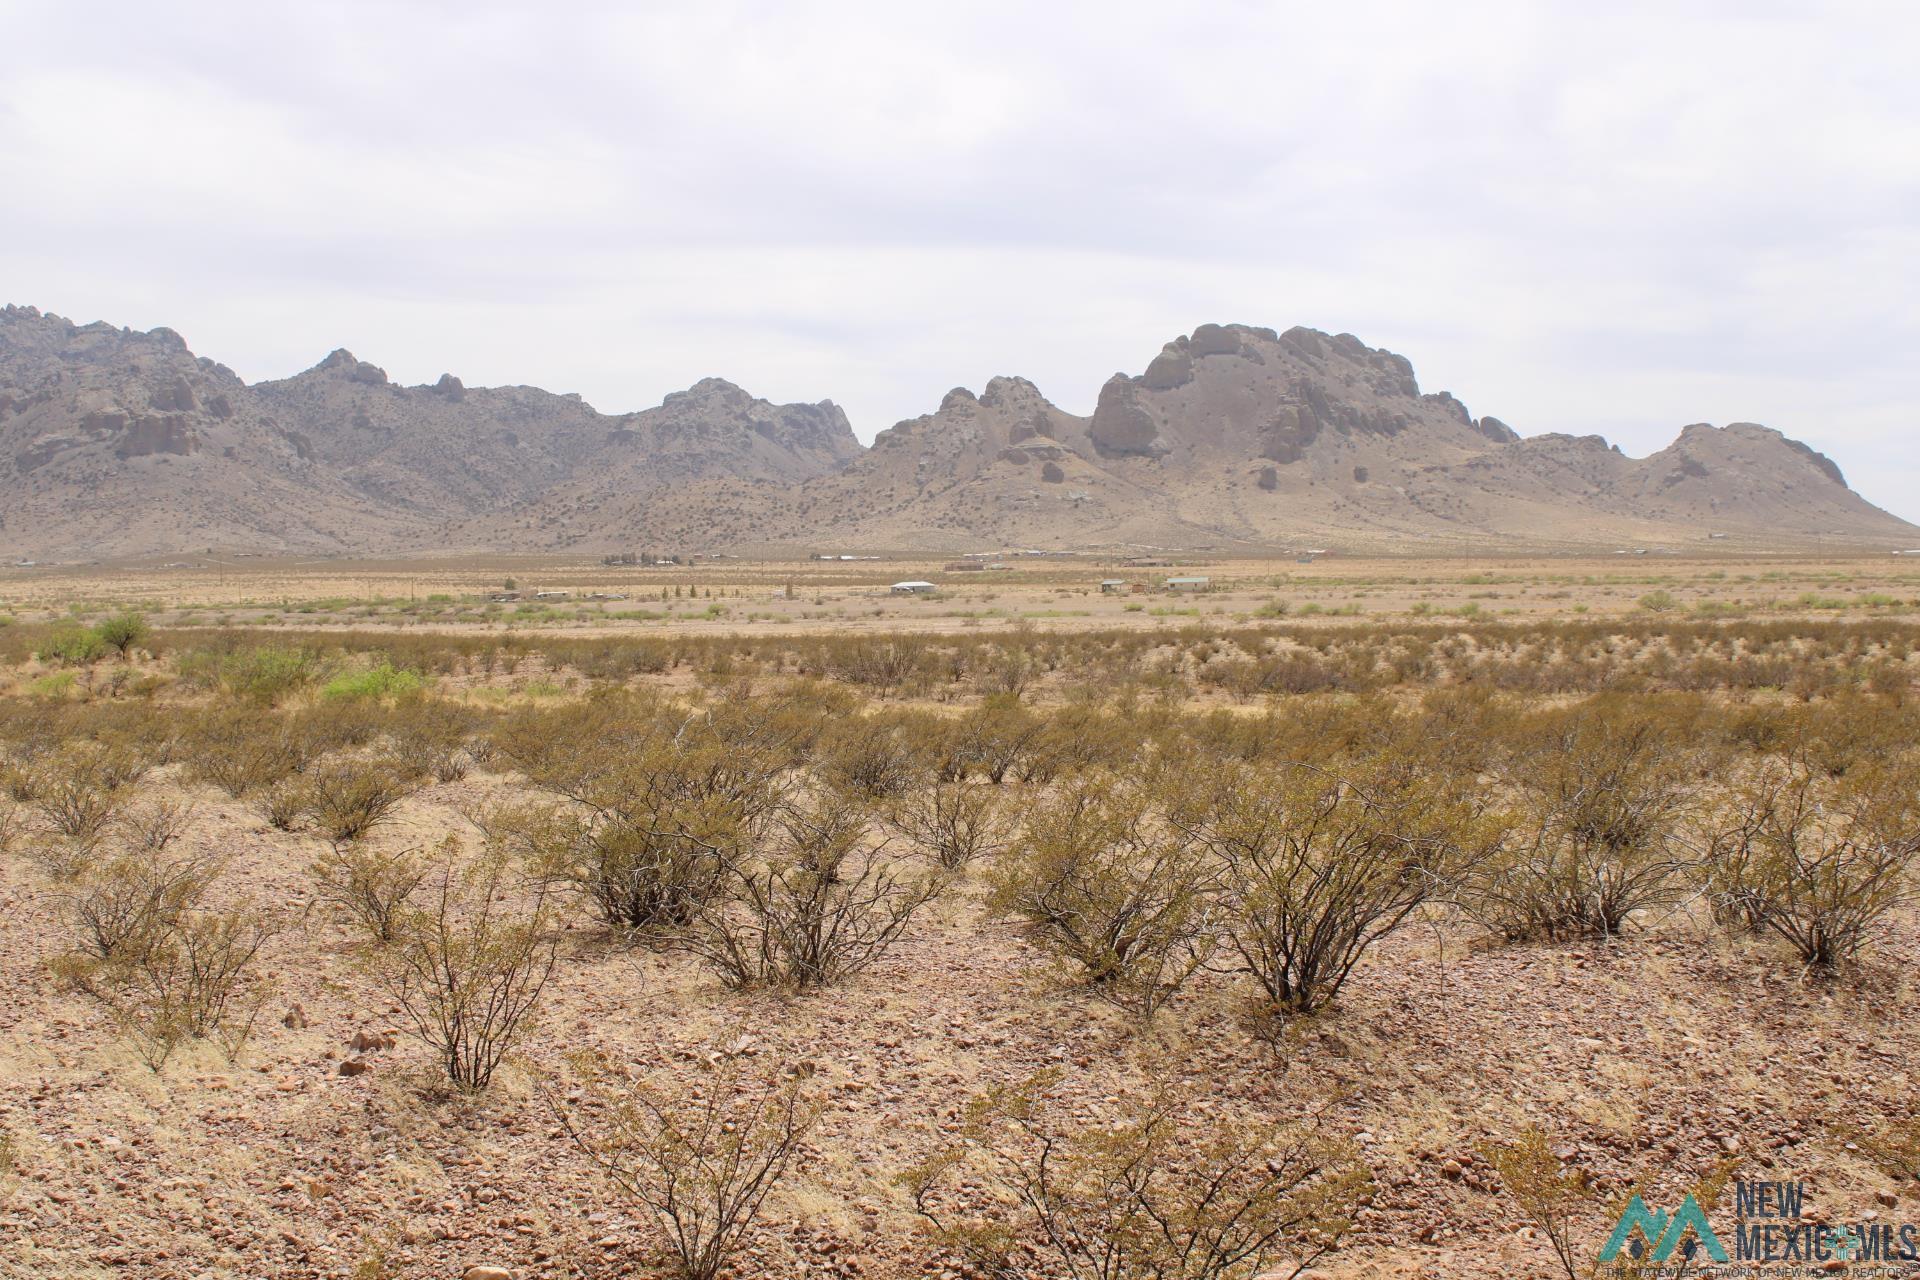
(1615, 218)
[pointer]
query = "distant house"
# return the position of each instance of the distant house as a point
(551, 595)
(915, 588)
(1187, 584)
(1111, 585)
(965, 566)
(504, 597)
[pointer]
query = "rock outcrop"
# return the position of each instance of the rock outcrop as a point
(118, 442)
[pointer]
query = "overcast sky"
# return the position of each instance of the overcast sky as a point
(1614, 218)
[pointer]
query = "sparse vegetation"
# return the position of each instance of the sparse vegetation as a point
(1164, 1192)
(699, 1161)
(1415, 869)
(468, 967)
(1113, 888)
(812, 903)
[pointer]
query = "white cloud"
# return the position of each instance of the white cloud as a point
(1609, 218)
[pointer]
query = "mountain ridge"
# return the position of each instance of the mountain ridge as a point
(116, 442)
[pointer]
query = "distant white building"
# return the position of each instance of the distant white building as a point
(1187, 584)
(915, 588)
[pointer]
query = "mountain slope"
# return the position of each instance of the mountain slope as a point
(114, 442)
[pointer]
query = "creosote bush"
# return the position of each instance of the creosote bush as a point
(186, 971)
(130, 904)
(1317, 864)
(1819, 861)
(813, 900)
(1552, 1196)
(468, 967)
(79, 790)
(345, 799)
(1112, 888)
(373, 886)
(699, 1157)
(953, 823)
(1168, 1193)
(1595, 837)
(155, 826)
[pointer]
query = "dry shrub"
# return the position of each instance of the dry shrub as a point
(1892, 1145)
(346, 799)
(130, 905)
(1819, 861)
(808, 903)
(1603, 796)
(1106, 884)
(1552, 1196)
(1172, 1193)
(191, 979)
(645, 868)
(1077, 739)
(156, 826)
(699, 1157)
(882, 664)
(1317, 867)
(79, 790)
(995, 738)
(869, 758)
(952, 823)
(468, 969)
(652, 824)
(283, 804)
(242, 750)
(436, 733)
(372, 886)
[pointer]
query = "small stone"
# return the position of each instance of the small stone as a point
(296, 1019)
(353, 1067)
(486, 1273)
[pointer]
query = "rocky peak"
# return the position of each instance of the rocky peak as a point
(342, 363)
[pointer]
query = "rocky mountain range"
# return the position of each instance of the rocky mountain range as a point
(120, 443)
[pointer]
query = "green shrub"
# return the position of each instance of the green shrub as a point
(379, 683)
(74, 644)
(123, 632)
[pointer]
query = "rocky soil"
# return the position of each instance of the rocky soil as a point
(327, 1150)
